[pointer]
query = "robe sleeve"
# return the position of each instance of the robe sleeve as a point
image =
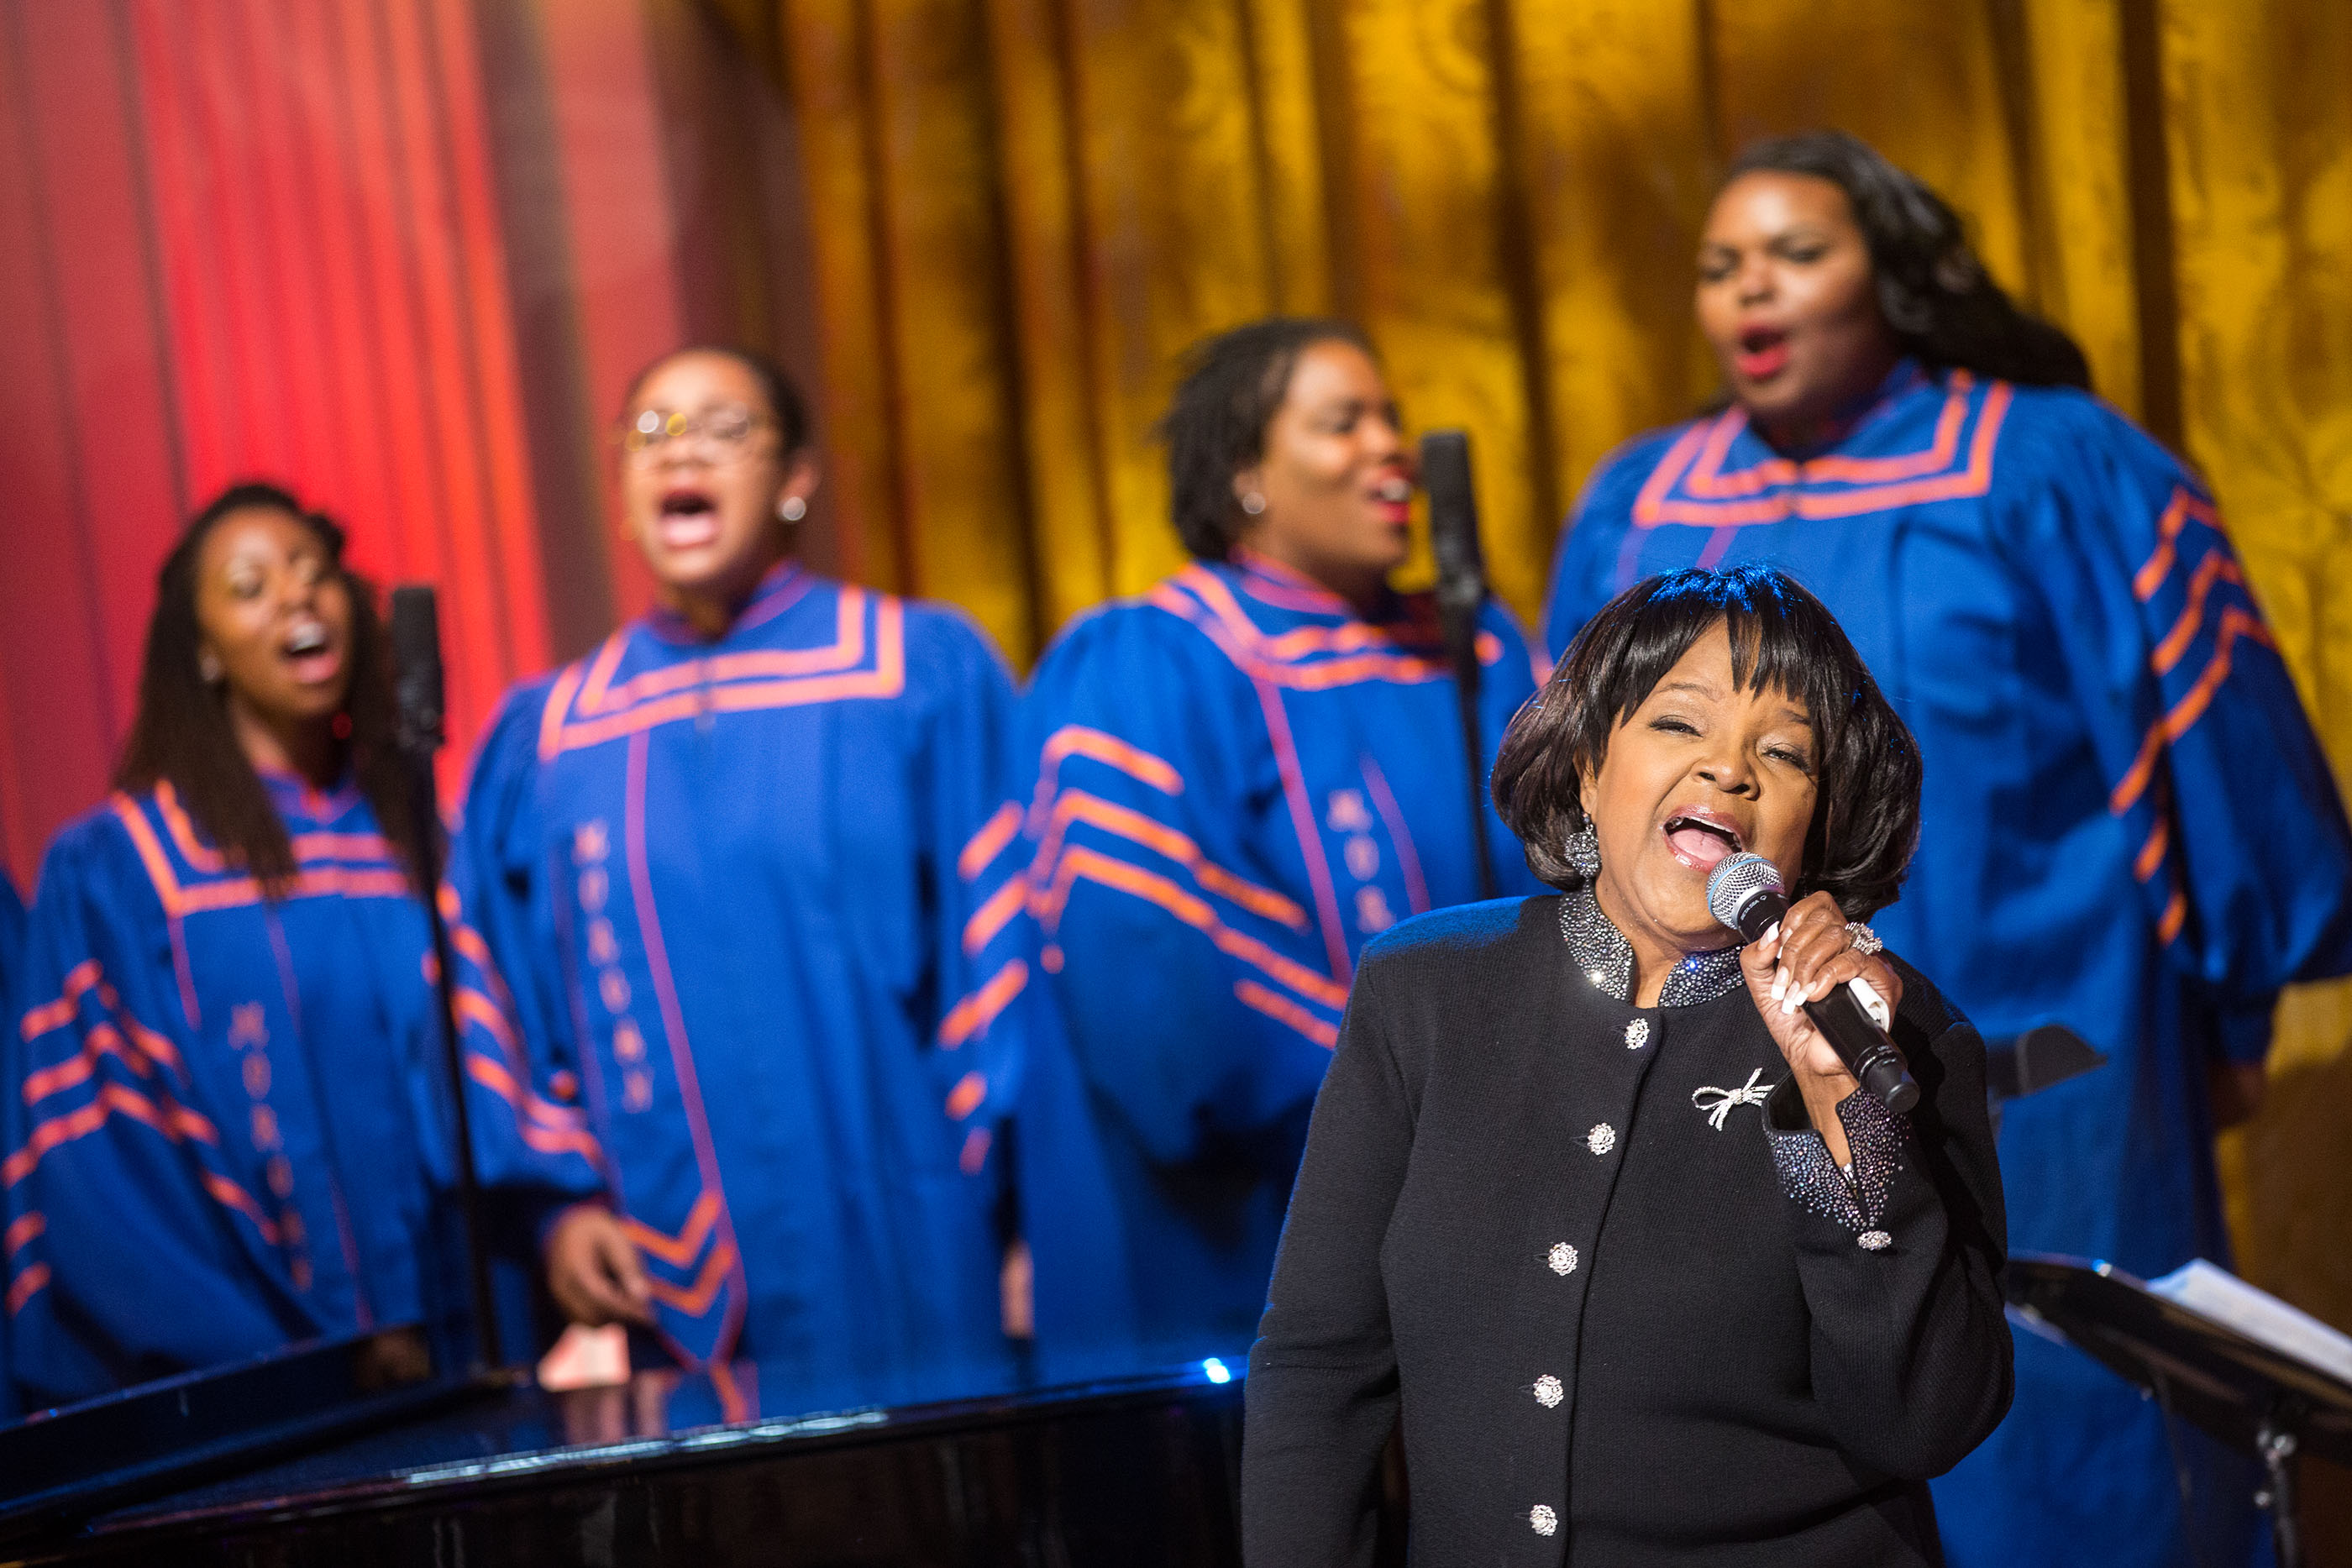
(531, 1142)
(985, 978)
(522, 1049)
(1194, 991)
(117, 1196)
(1322, 1393)
(2244, 859)
(1900, 1260)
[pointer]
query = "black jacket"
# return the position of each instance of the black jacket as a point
(1614, 1332)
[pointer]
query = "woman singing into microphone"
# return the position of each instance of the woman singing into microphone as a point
(2131, 830)
(1242, 776)
(226, 1114)
(1590, 1210)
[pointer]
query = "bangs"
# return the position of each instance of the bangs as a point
(1776, 643)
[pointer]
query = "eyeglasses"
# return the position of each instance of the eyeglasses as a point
(723, 432)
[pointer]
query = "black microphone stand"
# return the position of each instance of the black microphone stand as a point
(416, 643)
(1460, 593)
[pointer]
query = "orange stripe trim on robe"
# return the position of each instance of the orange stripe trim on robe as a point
(1282, 1010)
(978, 1010)
(1080, 861)
(2184, 715)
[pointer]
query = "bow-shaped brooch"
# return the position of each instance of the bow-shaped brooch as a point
(1719, 1106)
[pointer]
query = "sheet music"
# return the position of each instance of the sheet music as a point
(2214, 1293)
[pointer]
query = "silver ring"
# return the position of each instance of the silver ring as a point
(1863, 940)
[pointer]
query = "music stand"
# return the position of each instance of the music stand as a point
(2045, 1055)
(2255, 1398)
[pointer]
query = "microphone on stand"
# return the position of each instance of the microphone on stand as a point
(1460, 593)
(1745, 893)
(417, 699)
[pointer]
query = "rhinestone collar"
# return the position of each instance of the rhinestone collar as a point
(1600, 950)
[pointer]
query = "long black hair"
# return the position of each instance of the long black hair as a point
(182, 734)
(1215, 424)
(1867, 778)
(1943, 308)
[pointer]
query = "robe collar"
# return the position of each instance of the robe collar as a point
(781, 588)
(1907, 376)
(1267, 580)
(1602, 952)
(295, 796)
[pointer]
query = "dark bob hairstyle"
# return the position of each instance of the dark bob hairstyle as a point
(1943, 308)
(181, 732)
(1215, 424)
(1866, 817)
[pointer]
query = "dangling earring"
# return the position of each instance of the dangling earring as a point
(1581, 849)
(1253, 503)
(792, 509)
(208, 666)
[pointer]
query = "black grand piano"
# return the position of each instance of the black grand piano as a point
(296, 1459)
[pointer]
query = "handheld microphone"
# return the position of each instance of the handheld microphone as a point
(1745, 893)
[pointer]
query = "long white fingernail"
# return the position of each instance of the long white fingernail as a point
(1771, 933)
(1789, 1004)
(1780, 984)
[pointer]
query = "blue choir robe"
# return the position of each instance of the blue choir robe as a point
(749, 891)
(2127, 828)
(226, 1123)
(1238, 782)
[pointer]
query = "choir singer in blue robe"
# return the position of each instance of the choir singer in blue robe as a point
(1240, 778)
(743, 864)
(226, 1123)
(2128, 828)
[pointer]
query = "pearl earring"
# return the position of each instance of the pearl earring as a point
(1253, 503)
(208, 666)
(791, 509)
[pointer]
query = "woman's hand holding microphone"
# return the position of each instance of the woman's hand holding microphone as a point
(1804, 957)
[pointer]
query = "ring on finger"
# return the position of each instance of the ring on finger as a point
(1862, 939)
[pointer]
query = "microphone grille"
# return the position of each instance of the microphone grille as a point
(1736, 879)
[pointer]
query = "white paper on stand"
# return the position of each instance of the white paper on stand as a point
(2214, 1293)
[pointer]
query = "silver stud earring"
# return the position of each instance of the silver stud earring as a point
(791, 509)
(208, 666)
(1581, 849)
(1253, 503)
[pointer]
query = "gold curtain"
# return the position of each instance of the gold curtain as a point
(1024, 209)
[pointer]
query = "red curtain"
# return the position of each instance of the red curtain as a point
(240, 238)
